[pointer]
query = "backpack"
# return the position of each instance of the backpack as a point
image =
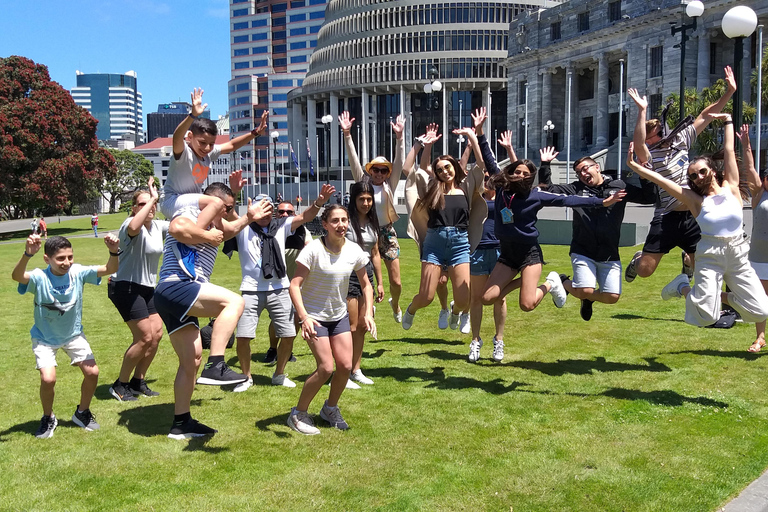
(207, 331)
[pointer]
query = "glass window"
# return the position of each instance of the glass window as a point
(654, 104)
(657, 59)
(279, 48)
(282, 83)
(614, 11)
(313, 43)
(242, 87)
(240, 26)
(239, 12)
(260, 49)
(298, 58)
(583, 21)
(240, 52)
(554, 31)
(241, 65)
(280, 34)
(260, 37)
(298, 17)
(314, 29)
(299, 45)
(297, 3)
(240, 39)
(278, 22)
(242, 101)
(316, 2)
(260, 63)
(259, 23)
(713, 58)
(298, 31)
(279, 7)
(279, 97)
(281, 62)
(317, 15)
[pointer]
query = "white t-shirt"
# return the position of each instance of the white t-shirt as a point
(379, 201)
(249, 250)
(324, 291)
(140, 256)
(187, 174)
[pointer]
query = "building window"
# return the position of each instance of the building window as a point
(712, 58)
(240, 26)
(298, 58)
(241, 65)
(279, 7)
(521, 88)
(299, 45)
(317, 15)
(280, 48)
(614, 11)
(280, 34)
(278, 22)
(654, 104)
(240, 52)
(298, 17)
(262, 36)
(295, 4)
(260, 49)
(657, 60)
(260, 63)
(281, 62)
(316, 2)
(586, 131)
(314, 29)
(583, 21)
(239, 12)
(259, 23)
(243, 87)
(240, 39)
(298, 31)
(586, 84)
(554, 31)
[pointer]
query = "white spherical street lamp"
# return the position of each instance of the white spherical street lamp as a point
(739, 22)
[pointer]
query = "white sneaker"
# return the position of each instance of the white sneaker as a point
(556, 289)
(243, 386)
(442, 320)
(358, 376)
(283, 380)
(407, 319)
(464, 326)
(474, 350)
(672, 290)
(301, 422)
(498, 349)
(453, 323)
(398, 316)
(351, 385)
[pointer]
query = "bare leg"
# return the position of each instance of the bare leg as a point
(244, 354)
(430, 275)
(459, 276)
(341, 346)
(500, 279)
(47, 388)
(226, 306)
(90, 381)
(500, 317)
(590, 294)
(442, 290)
(647, 263)
(189, 349)
(531, 292)
(354, 307)
(395, 284)
(477, 286)
(284, 351)
(144, 346)
(760, 328)
(321, 349)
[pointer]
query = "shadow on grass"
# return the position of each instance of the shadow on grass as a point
(587, 367)
(28, 427)
(272, 424)
(660, 397)
(424, 341)
(102, 391)
(737, 354)
(629, 316)
(439, 380)
(22, 234)
(442, 355)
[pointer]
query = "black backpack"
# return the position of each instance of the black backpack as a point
(207, 331)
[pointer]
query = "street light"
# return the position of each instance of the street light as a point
(694, 9)
(739, 22)
(326, 120)
(274, 135)
(548, 131)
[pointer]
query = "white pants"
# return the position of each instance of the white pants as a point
(718, 260)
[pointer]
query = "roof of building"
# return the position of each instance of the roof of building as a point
(161, 142)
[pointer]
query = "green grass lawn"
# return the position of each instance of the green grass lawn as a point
(635, 410)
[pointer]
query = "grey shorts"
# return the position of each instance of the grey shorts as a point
(600, 275)
(278, 305)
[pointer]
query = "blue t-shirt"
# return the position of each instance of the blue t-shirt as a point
(58, 302)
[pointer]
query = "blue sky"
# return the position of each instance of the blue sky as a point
(172, 45)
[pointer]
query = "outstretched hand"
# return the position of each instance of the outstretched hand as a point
(640, 101)
(466, 131)
(614, 198)
(196, 97)
(505, 139)
(345, 121)
(257, 211)
(152, 186)
(478, 119)
(112, 242)
(34, 243)
(548, 154)
(744, 135)
(730, 81)
(398, 126)
(236, 181)
(431, 135)
(263, 124)
(326, 192)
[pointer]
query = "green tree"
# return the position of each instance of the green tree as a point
(695, 102)
(132, 172)
(764, 88)
(49, 155)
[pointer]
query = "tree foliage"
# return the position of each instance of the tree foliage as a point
(695, 102)
(132, 171)
(49, 155)
(753, 80)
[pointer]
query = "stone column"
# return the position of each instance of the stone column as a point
(702, 65)
(334, 111)
(546, 103)
(489, 107)
(602, 103)
(311, 132)
(362, 151)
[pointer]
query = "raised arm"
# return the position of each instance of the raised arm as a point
(397, 166)
(430, 137)
(134, 227)
(354, 162)
(309, 213)
(238, 142)
(113, 245)
(638, 138)
(32, 246)
(730, 167)
(691, 199)
(749, 174)
(196, 98)
(706, 116)
(506, 142)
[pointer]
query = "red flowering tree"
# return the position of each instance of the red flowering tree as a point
(50, 159)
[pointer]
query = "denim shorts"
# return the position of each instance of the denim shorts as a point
(447, 246)
(482, 261)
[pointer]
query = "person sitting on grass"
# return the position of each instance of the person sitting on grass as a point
(58, 312)
(185, 293)
(715, 201)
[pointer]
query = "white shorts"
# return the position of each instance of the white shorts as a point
(77, 349)
(604, 276)
(761, 269)
(171, 203)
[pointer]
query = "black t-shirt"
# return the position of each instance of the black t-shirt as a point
(455, 213)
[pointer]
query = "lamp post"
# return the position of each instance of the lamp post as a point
(548, 130)
(739, 22)
(274, 136)
(326, 120)
(694, 9)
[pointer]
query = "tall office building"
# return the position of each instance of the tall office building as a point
(168, 116)
(271, 44)
(114, 101)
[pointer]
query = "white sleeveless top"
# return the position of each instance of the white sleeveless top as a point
(721, 215)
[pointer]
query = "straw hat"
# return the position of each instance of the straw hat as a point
(378, 161)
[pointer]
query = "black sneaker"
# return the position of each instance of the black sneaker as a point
(85, 420)
(271, 357)
(47, 426)
(122, 392)
(292, 359)
(190, 428)
(586, 309)
(220, 374)
(140, 388)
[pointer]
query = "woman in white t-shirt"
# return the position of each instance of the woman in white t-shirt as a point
(132, 288)
(318, 291)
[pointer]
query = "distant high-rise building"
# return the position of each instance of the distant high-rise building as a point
(114, 101)
(271, 44)
(168, 116)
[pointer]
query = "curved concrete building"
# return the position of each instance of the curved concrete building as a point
(374, 58)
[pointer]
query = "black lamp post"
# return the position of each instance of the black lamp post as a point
(274, 135)
(326, 120)
(694, 9)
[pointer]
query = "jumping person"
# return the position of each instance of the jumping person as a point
(132, 290)
(715, 201)
(318, 292)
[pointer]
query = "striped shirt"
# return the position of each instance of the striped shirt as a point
(181, 261)
(671, 162)
(324, 291)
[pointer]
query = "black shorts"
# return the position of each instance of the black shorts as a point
(133, 301)
(328, 329)
(673, 229)
(518, 256)
(355, 289)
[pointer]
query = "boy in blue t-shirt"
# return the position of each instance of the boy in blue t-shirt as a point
(58, 292)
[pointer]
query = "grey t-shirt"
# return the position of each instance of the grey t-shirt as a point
(758, 249)
(370, 237)
(140, 255)
(187, 174)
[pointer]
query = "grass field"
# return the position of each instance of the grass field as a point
(635, 410)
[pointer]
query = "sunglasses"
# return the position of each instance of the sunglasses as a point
(695, 175)
(585, 168)
(140, 205)
(286, 212)
(228, 208)
(380, 170)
